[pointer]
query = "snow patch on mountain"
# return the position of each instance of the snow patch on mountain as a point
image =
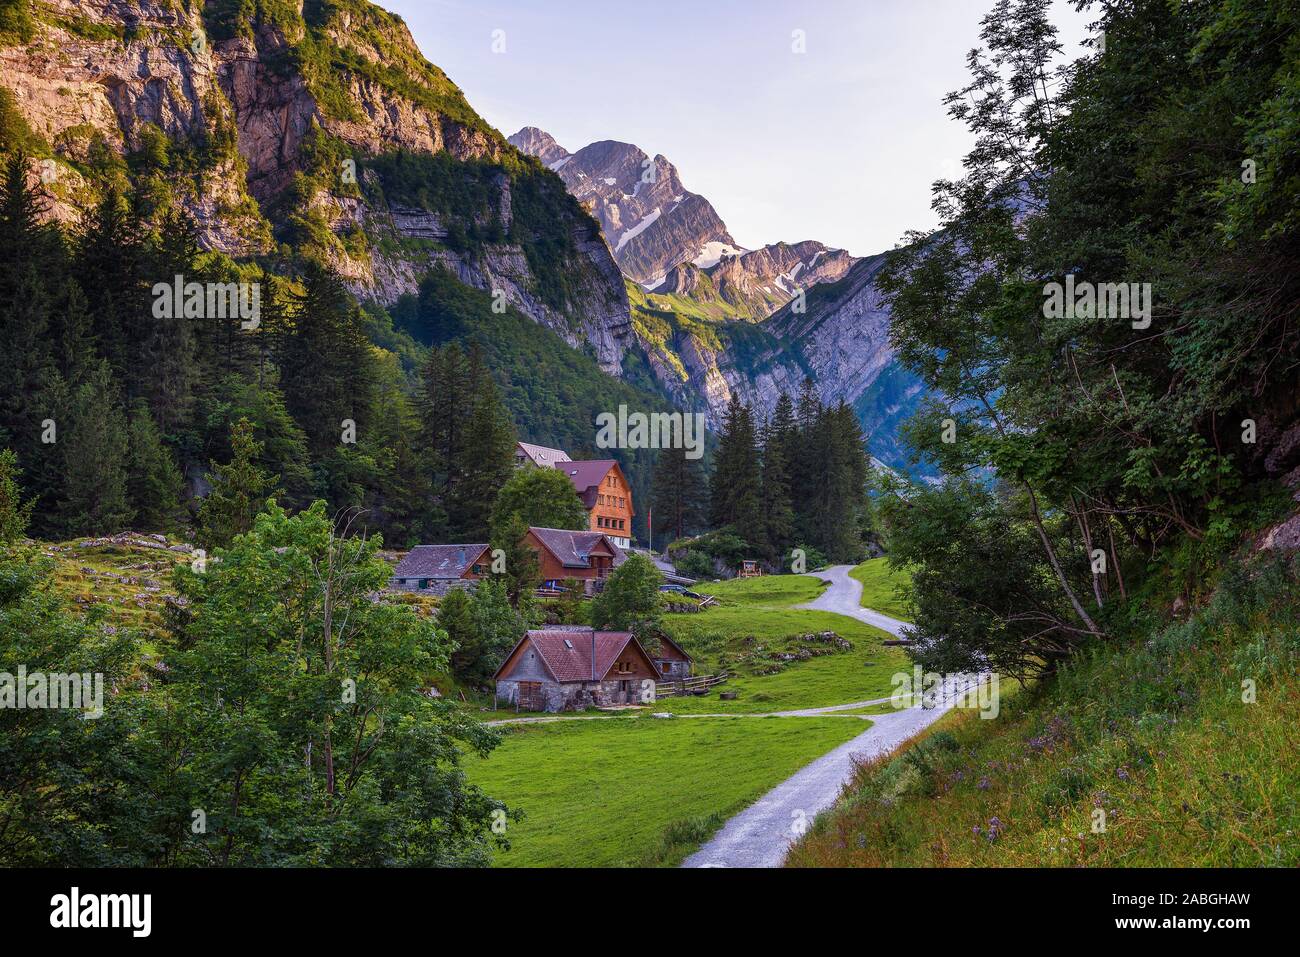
(712, 252)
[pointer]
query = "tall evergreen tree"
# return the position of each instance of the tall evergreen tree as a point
(325, 362)
(679, 494)
(93, 441)
(170, 345)
(486, 458)
(239, 490)
(734, 492)
(153, 482)
(14, 512)
(776, 491)
(108, 261)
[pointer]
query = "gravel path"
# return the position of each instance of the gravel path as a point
(844, 597)
(760, 835)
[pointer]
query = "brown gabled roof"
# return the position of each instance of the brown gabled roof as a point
(571, 654)
(439, 561)
(585, 475)
(573, 549)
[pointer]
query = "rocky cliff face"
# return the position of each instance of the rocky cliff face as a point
(105, 73)
(651, 221)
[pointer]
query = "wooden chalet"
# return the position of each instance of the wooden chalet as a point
(563, 553)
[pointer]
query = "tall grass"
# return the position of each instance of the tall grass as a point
(1141, 752)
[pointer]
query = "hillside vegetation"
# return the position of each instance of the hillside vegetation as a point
(1169, 749)
(780, 657)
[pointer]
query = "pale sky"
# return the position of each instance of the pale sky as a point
(839, 143)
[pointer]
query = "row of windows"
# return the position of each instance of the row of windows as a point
(603, 522)
(618, 500)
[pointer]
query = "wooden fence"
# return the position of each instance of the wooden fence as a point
(688, 686)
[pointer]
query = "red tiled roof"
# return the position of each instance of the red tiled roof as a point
(568, 654)
(439, 561)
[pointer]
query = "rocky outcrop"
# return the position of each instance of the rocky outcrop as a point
(539, 143)
(650, 220)
(153, 63)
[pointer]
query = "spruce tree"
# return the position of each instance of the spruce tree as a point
(153, 481)
(778, 509)
(325, 362)
(169, 348)
(679, 494)
(486, 457)
(14, 512)
(239, 490)
(92, 439)
(734, 493)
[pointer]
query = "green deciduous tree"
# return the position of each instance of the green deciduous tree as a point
(540, 497)
(630, 598)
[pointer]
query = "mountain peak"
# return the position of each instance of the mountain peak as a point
(651, 221)
(537, 142)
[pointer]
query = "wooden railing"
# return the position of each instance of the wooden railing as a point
(675, 689)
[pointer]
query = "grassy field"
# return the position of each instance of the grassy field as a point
(1141, 753)
(754, 625)
(880, 588)
(640, 791)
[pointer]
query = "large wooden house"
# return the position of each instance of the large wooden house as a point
(563, 553)
(600, 483)
(605, 492)
(568, 669)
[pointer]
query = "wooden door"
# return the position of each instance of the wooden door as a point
(530, 696)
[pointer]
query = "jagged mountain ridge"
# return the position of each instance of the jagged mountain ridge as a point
(649, 218)
(688, 317)
(266, 109)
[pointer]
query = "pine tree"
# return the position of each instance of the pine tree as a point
(108, 263)
(153, 481)
(326, 367)
(14, 513)
(446, 403)
(30, 255)
(734, 493)
(679, 493)
(93, 443)
(778, 508)
(486, 458)
(169, 349)
(239, 490)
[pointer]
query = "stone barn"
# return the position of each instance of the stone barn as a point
(673, 662)
(569, 669)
